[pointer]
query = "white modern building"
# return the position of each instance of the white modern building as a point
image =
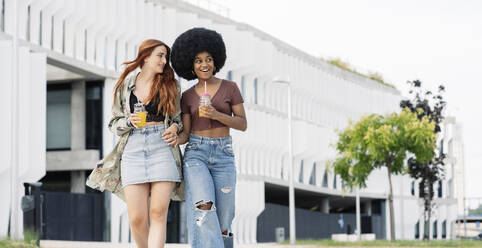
(69, 59)
(455, 167)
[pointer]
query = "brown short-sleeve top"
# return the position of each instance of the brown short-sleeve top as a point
(227, 95)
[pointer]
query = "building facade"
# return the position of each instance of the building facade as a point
(455, 166)
(70, 55)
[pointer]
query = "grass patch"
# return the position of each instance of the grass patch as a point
(30, 236)
(398, 243)
(30, 241)
(7, 243)
(345, 66)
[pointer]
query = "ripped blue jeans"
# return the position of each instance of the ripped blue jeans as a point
(210, 177)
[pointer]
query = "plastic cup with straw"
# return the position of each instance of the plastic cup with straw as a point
(204, 100)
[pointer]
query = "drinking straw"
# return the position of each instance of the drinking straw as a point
(205, 91)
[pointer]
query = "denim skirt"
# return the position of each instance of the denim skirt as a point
(148, 158)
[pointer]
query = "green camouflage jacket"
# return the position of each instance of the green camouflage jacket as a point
(106, 175)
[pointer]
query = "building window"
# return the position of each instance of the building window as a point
(435, 230)
(264, 94)
(63, 36)
(334, 181)
(255, 91)
(106, 46)
(40, 27)
(412, 188)
(282, 169)
(126, 51)
(449, 188)
(417, 230)
(58, 116)
(27, 34)
(325, 179)
(2, 16)
(313, 175)
(135, 49)
(116, 52)
(444, 229)
(421, 190)
(451, 147)
(300, 179)
(93, 118)
(439, 190)
(441, 151)
(243, 87)
(230, 75)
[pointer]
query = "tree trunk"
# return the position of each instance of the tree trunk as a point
(390, 204)
(427, 200)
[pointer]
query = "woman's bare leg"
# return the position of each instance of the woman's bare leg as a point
(136, 199)
(159, 204)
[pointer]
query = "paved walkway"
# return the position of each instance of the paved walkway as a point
(78, 244)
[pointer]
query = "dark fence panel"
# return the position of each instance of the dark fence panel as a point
(312, 224)
(68, 216)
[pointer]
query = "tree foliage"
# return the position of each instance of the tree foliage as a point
(476, 211)
(377, 141)
(426, 105)
(430, 106)
(383, 141)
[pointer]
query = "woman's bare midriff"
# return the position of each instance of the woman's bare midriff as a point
(152, 123)
(218, 132)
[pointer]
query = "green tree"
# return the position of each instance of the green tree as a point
(378, 141)
(426, 104)
(476, 210)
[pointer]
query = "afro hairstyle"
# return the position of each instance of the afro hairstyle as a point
(193, 42)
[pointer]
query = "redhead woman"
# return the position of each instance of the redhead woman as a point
(209, 170)
(145, 166)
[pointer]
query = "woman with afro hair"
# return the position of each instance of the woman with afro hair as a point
(209, 170)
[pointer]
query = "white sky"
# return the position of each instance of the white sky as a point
(435, 41)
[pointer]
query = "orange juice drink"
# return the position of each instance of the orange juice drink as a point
(141, 112)
(142, 116)
(204, 100)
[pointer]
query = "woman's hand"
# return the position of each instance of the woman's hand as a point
(170, 135)
(134, 119)
(210, 112)
(238, 121)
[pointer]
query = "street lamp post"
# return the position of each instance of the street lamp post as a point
(290, 154)
(14, 173)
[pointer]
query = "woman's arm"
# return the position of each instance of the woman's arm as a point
(177, 117)
(119, 124)
(238, 121)
(170, 135)
(183, 137)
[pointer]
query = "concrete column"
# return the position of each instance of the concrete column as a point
(77, 182)
(6, 141)
(250, 201)
(325, 205)
(182, 223)
(77, 131)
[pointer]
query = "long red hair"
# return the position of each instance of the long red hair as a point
(164, 87)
